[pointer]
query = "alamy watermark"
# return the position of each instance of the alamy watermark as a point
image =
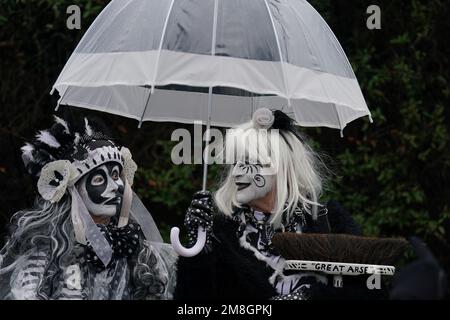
(374, 20)
(74, 19)
(374, 282)
(253, 146)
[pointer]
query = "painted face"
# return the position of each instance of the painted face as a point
(253, 181)
(102, 190)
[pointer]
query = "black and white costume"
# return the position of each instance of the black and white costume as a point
(56, 251)
(242, 265)
(274, 169)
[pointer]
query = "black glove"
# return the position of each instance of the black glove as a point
(200, 214)
(423, 279)
(354, 288)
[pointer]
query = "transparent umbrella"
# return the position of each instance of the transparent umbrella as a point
(214, 61)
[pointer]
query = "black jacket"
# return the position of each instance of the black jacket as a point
(230, 272)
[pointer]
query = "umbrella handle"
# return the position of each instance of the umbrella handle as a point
(187, 252)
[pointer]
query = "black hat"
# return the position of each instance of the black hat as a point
(83, 145)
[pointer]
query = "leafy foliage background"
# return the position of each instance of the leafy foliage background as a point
(393, 175)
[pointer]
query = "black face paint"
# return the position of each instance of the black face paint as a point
(259, 180)
(95, 191)
(253, 181)
(104, 188)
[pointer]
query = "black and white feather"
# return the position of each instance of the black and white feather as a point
(81, 142)
(283, 122)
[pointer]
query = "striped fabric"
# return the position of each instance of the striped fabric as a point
(81, 281)
(27, 280)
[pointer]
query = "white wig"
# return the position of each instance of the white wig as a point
(298, 174)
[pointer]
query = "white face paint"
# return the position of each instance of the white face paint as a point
(102, 190)
(254, 181)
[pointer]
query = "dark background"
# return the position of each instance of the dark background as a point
(393, 175)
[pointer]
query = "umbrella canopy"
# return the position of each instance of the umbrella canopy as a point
(158, 60)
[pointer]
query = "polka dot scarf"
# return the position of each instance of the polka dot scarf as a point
(124, 242)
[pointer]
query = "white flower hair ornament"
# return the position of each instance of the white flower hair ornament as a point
(128, 171)
(129, 166)
(263, 118)
(55, 177)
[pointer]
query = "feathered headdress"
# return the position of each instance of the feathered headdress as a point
(83, 145)
(59, 156)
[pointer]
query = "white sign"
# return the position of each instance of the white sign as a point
(339, 267)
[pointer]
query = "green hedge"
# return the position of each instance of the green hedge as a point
(392, 175)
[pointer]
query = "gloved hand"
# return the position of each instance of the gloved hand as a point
(200, 214)
(423, 279)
